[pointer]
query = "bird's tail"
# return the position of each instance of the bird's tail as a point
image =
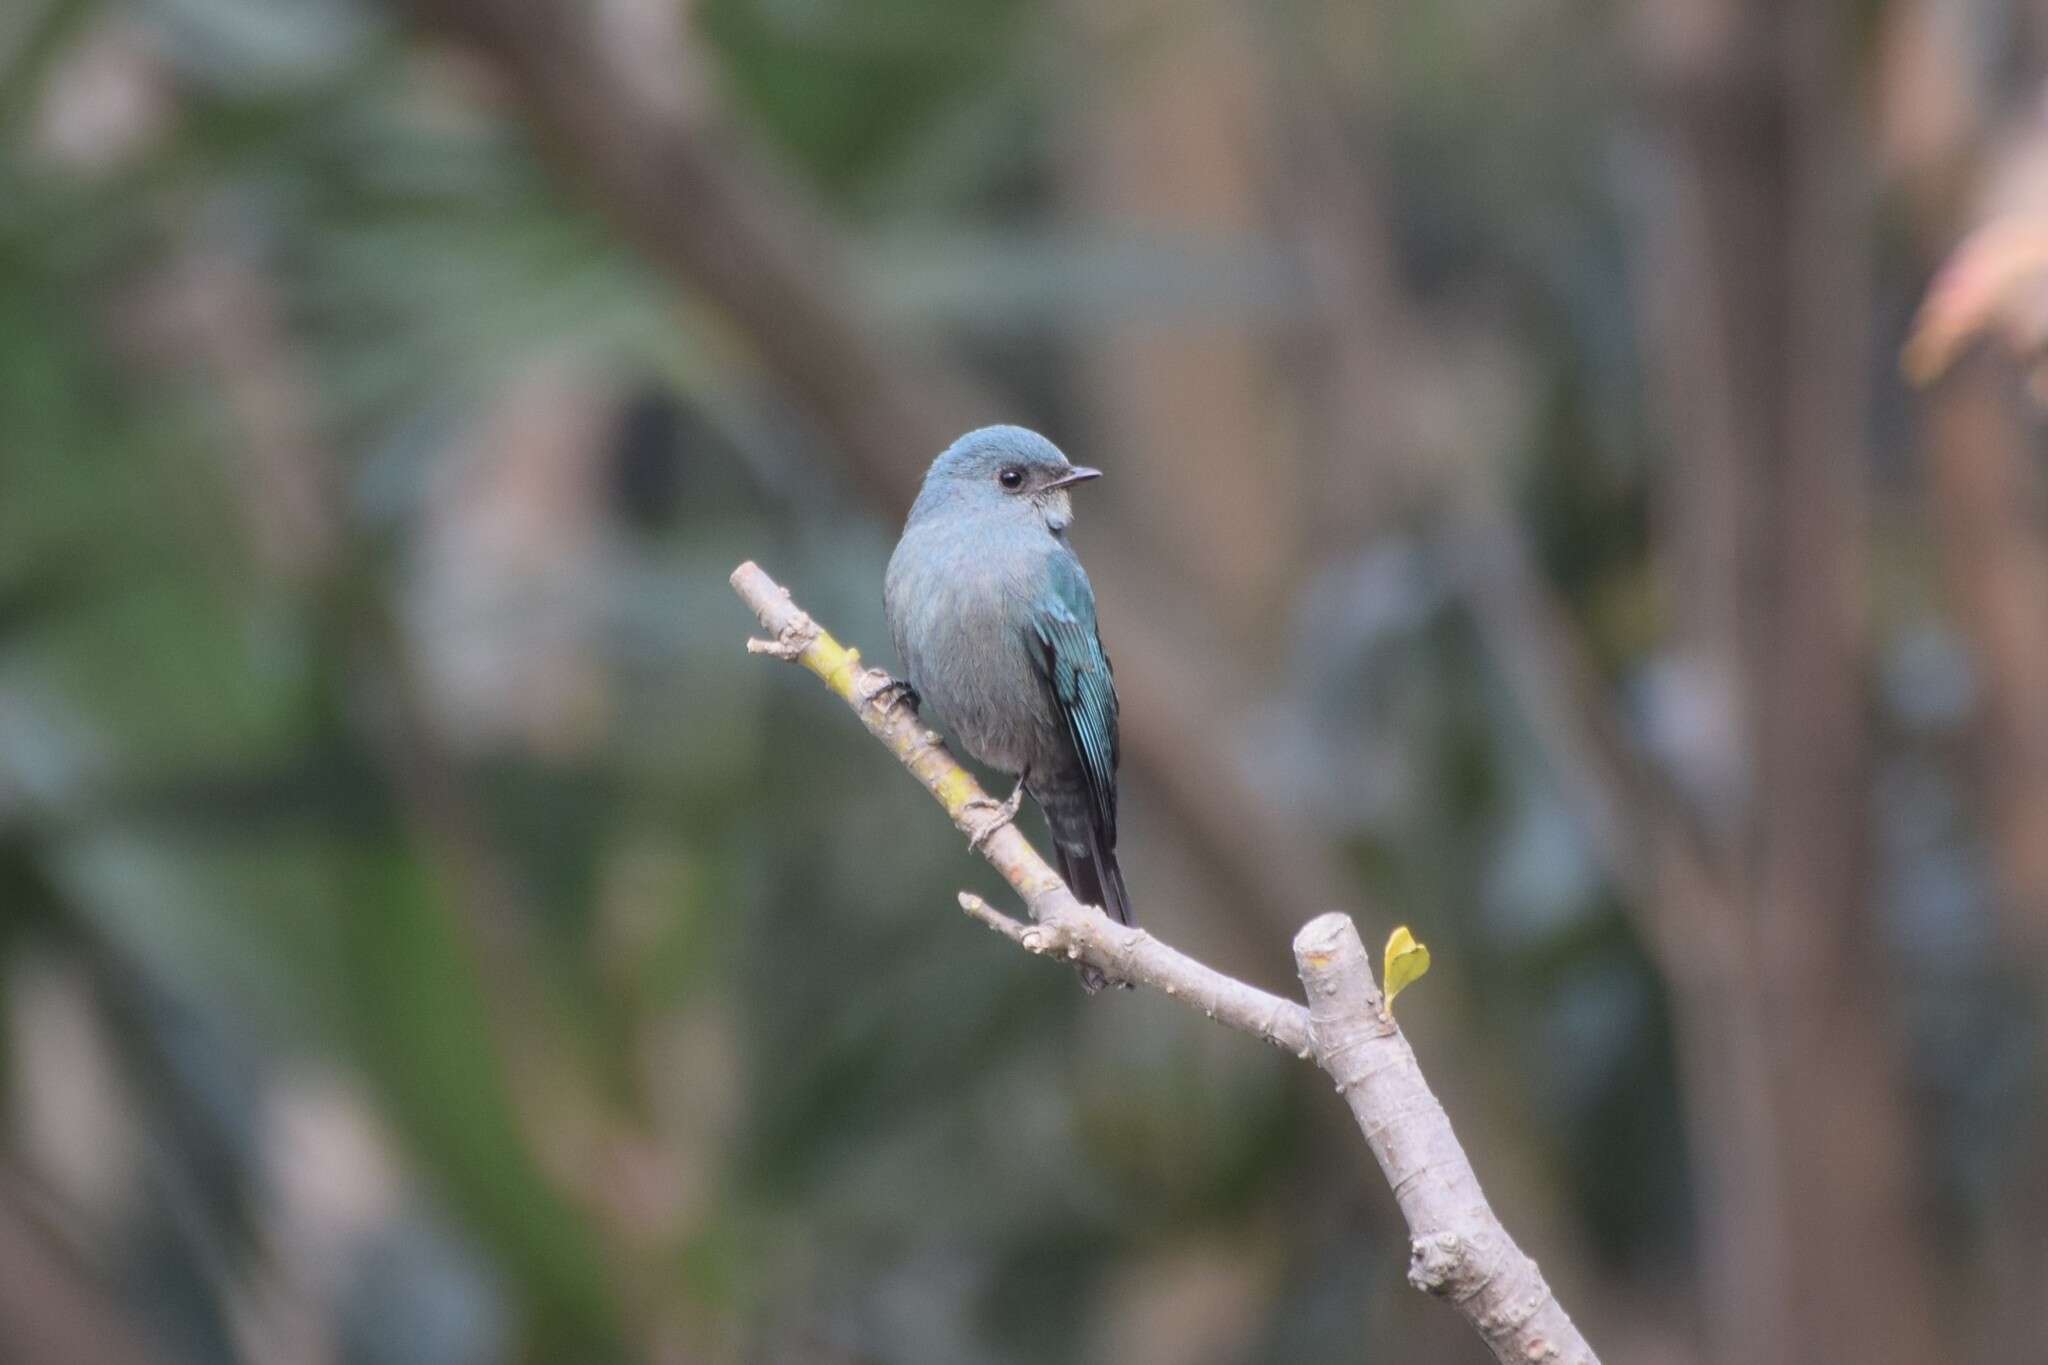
(1095, 879)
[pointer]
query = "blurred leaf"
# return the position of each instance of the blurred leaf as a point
(28, 42)
(1995, 282)
(845, 87)
(424, 1034)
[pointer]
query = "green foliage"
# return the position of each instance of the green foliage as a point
(424, 1032)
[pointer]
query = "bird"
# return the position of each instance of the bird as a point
(993, 619)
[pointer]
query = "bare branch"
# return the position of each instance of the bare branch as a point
(1066, 928)
(1459, 1252)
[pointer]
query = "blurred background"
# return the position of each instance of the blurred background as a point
(427, 936)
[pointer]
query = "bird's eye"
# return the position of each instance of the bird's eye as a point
(1011, 477)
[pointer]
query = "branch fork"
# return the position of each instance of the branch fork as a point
(796, 633)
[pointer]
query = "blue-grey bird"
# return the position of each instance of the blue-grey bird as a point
(994, 621)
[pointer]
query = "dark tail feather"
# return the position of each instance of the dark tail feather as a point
(1119, 900)
(1095, 879)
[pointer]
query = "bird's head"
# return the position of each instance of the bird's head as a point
(1002, 472)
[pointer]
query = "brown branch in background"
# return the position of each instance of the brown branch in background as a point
(1705, 322)
(1852, 1152)
(712, 212)
(1634, 816)
(1161, 139)
(1459, 1252)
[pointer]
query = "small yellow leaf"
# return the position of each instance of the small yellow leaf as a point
(1406, 961)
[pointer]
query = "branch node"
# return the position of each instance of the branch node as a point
(796, 636)
(1438, 1263)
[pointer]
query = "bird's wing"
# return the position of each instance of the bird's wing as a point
(1071, 659)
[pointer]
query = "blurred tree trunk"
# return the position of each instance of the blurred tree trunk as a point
(1167, 144)
(1993, 540)
(1758, 266)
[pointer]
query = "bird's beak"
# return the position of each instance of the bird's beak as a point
(1078, 474)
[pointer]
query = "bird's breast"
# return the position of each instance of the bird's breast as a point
(958, 601)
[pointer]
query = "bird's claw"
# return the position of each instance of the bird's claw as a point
(888, 692)
(982, 827)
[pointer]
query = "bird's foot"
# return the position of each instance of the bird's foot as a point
(982, 827)
(888, 692)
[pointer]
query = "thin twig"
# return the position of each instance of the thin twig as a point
(1459, 1252)
(1080, 933)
